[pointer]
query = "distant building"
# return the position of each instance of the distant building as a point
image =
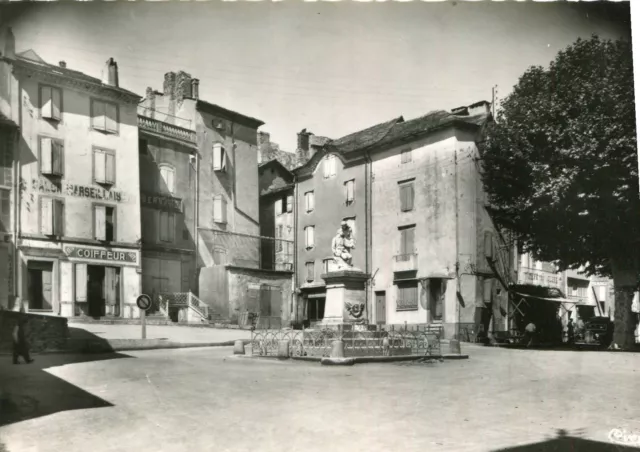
(77, 214)
(229, 278)
(412, 192)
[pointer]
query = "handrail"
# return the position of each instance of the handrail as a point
(165, 128)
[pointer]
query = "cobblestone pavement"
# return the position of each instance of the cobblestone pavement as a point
(169, 332)
(206, 400)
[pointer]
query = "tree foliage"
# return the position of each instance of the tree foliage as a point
(560, 163)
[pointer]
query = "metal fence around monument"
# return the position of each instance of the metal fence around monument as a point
(384, 341)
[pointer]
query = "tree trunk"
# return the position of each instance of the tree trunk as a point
(625, 281)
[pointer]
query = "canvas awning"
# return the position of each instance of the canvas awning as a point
(520, 298)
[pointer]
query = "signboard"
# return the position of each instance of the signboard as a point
(44, 185)
(144, 302)
(162, 202)
(80, 252)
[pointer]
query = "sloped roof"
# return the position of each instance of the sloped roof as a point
(217, 109)
(31, 60)
(364, 138)
(288, 160)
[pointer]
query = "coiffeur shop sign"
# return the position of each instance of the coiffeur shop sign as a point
(44, 185)
(79, 252)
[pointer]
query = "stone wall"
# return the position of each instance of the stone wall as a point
(43, 332)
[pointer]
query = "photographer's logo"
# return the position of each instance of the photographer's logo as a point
(621, 436)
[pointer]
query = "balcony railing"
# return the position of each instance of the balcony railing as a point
(153, 125)
(405, 262)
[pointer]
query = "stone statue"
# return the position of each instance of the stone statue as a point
(341, 245)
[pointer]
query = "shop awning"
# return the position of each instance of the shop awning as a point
(554, 299)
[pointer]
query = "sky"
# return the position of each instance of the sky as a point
(332, 68)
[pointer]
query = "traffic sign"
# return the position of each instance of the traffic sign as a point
(144, 302)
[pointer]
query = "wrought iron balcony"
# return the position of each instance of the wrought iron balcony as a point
(405, 262)
(164, 128)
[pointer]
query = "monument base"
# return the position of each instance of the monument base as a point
(345, 301)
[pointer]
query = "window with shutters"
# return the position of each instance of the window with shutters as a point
(329, 166)
(51, 156)
(407, 298)
(167, 226)
(311, 271)
(289, 201)
(104, 116)
(50, 103)
(309, 199)
(219, 157)
(6, 159)
(309, 232)
(104, 222)
(167, 179)
(279, 232)
(219, 209)
(488, 245)
(405, 156)
(349, 190)
(51, 216)
(406, 196)
(5, 210)
(407, 242)
(104, 166)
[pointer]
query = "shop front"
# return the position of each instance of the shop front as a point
(78, 280)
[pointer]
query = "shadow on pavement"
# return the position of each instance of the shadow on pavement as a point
(28, 391)
(564, 442)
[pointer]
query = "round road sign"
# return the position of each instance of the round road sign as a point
(144, 302)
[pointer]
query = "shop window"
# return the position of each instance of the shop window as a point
(104, 166)
(407, 295)
(50, 103)
(104, 116)
(40, 285)
(406, 196)
(105, 223)
(51, 216)
(167, 226)
(51, 156)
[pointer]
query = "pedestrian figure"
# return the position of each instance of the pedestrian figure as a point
(570, 330)
(20, 346)
(529, 332)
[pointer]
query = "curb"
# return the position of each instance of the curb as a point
(138, 345)
(338, 361)
(364, 359)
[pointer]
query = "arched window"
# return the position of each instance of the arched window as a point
(167, 179)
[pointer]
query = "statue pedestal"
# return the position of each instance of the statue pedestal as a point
(346, 300)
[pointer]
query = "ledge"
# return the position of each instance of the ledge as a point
(259, 270)
(77, 240)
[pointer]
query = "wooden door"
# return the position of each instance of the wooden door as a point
(47, 289)
(381, 308)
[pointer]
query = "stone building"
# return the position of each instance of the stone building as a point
(412, 192)
(77, 215)
(228, 278)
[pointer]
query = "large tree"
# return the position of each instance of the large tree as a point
(560, 166)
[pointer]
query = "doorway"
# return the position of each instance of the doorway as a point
(103, 290)
(381, 308)
(437, 287)
(315, 309)
(40, 280)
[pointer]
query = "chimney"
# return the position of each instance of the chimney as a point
(195, 91)
(169, 82)
(264, 138)
(8, 44)
(62, 64)
(183, 86)
(110, 74)
(303, 140)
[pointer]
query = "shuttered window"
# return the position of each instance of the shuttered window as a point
(406, 197)
(51, 156)
(311, 271)
(104, 116)
(329, 166)
(5, 210)
(219, 209)
(309, 236)
(407, 239)
(289, 204)
(350, 186)
(309, 201)
(104, 223)
(6, 159)
(219, 158)
(51, 216)
(407, 295)
(167, 174)
(50, 103)
(167, 226)
(104, 166)
(110, 285)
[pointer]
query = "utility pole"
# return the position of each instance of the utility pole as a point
(455, 164)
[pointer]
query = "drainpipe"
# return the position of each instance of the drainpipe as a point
(368, 233)
(458, 285)
(196, 220)
(296, 209)
(17, 196)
